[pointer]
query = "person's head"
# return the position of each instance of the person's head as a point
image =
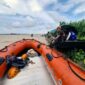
(59, 28)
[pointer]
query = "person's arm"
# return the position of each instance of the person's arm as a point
(68, 36)
(57, 37)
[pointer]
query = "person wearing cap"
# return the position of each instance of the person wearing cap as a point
(65, 33)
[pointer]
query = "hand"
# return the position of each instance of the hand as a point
(53, 38)
(53, 41)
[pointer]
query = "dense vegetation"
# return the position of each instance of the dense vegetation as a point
(77, 56)
(80, 27)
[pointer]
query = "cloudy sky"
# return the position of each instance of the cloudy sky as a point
(38, 16)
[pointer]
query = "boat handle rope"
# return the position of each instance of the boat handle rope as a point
(4, 49)
(52, 53)
(14, 44)
(69, 67)
(39, 45)
(75, 72)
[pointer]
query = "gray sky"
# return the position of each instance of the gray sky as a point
(38, 16)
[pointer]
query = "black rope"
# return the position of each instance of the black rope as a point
(52, 52)
(39, 45)
(14, 44)
(4, 49)
(75, 72)
(69, 67)
(53, 55)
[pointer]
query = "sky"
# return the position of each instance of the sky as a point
(38, 16)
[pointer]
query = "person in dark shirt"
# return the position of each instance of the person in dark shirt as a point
(65, 33)
(60, 35)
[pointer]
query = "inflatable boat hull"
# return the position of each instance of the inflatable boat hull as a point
(64, 71)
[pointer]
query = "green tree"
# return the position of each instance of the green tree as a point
(62, 23)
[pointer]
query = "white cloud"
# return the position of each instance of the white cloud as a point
(80, 9)
(22, 7)
(1, 1)
(46, 2)
(63, 8)
(56, 5)
(57, 17)
(40, 18)
(16, 6)
(27, 6)
(16, 24)
(11, 3)
(34, 6)
(44, 16)
(59, 7)
(75, 1)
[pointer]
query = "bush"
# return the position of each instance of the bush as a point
(80, 27)
(78, 56)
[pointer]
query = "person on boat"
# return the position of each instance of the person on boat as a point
(65, 32)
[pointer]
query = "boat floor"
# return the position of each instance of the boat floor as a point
(33, 74)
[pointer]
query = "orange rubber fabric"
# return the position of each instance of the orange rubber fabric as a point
(64, 71)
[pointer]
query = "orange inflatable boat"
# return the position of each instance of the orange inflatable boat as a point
(64, 71)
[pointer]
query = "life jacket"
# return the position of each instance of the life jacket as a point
(72, 36)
